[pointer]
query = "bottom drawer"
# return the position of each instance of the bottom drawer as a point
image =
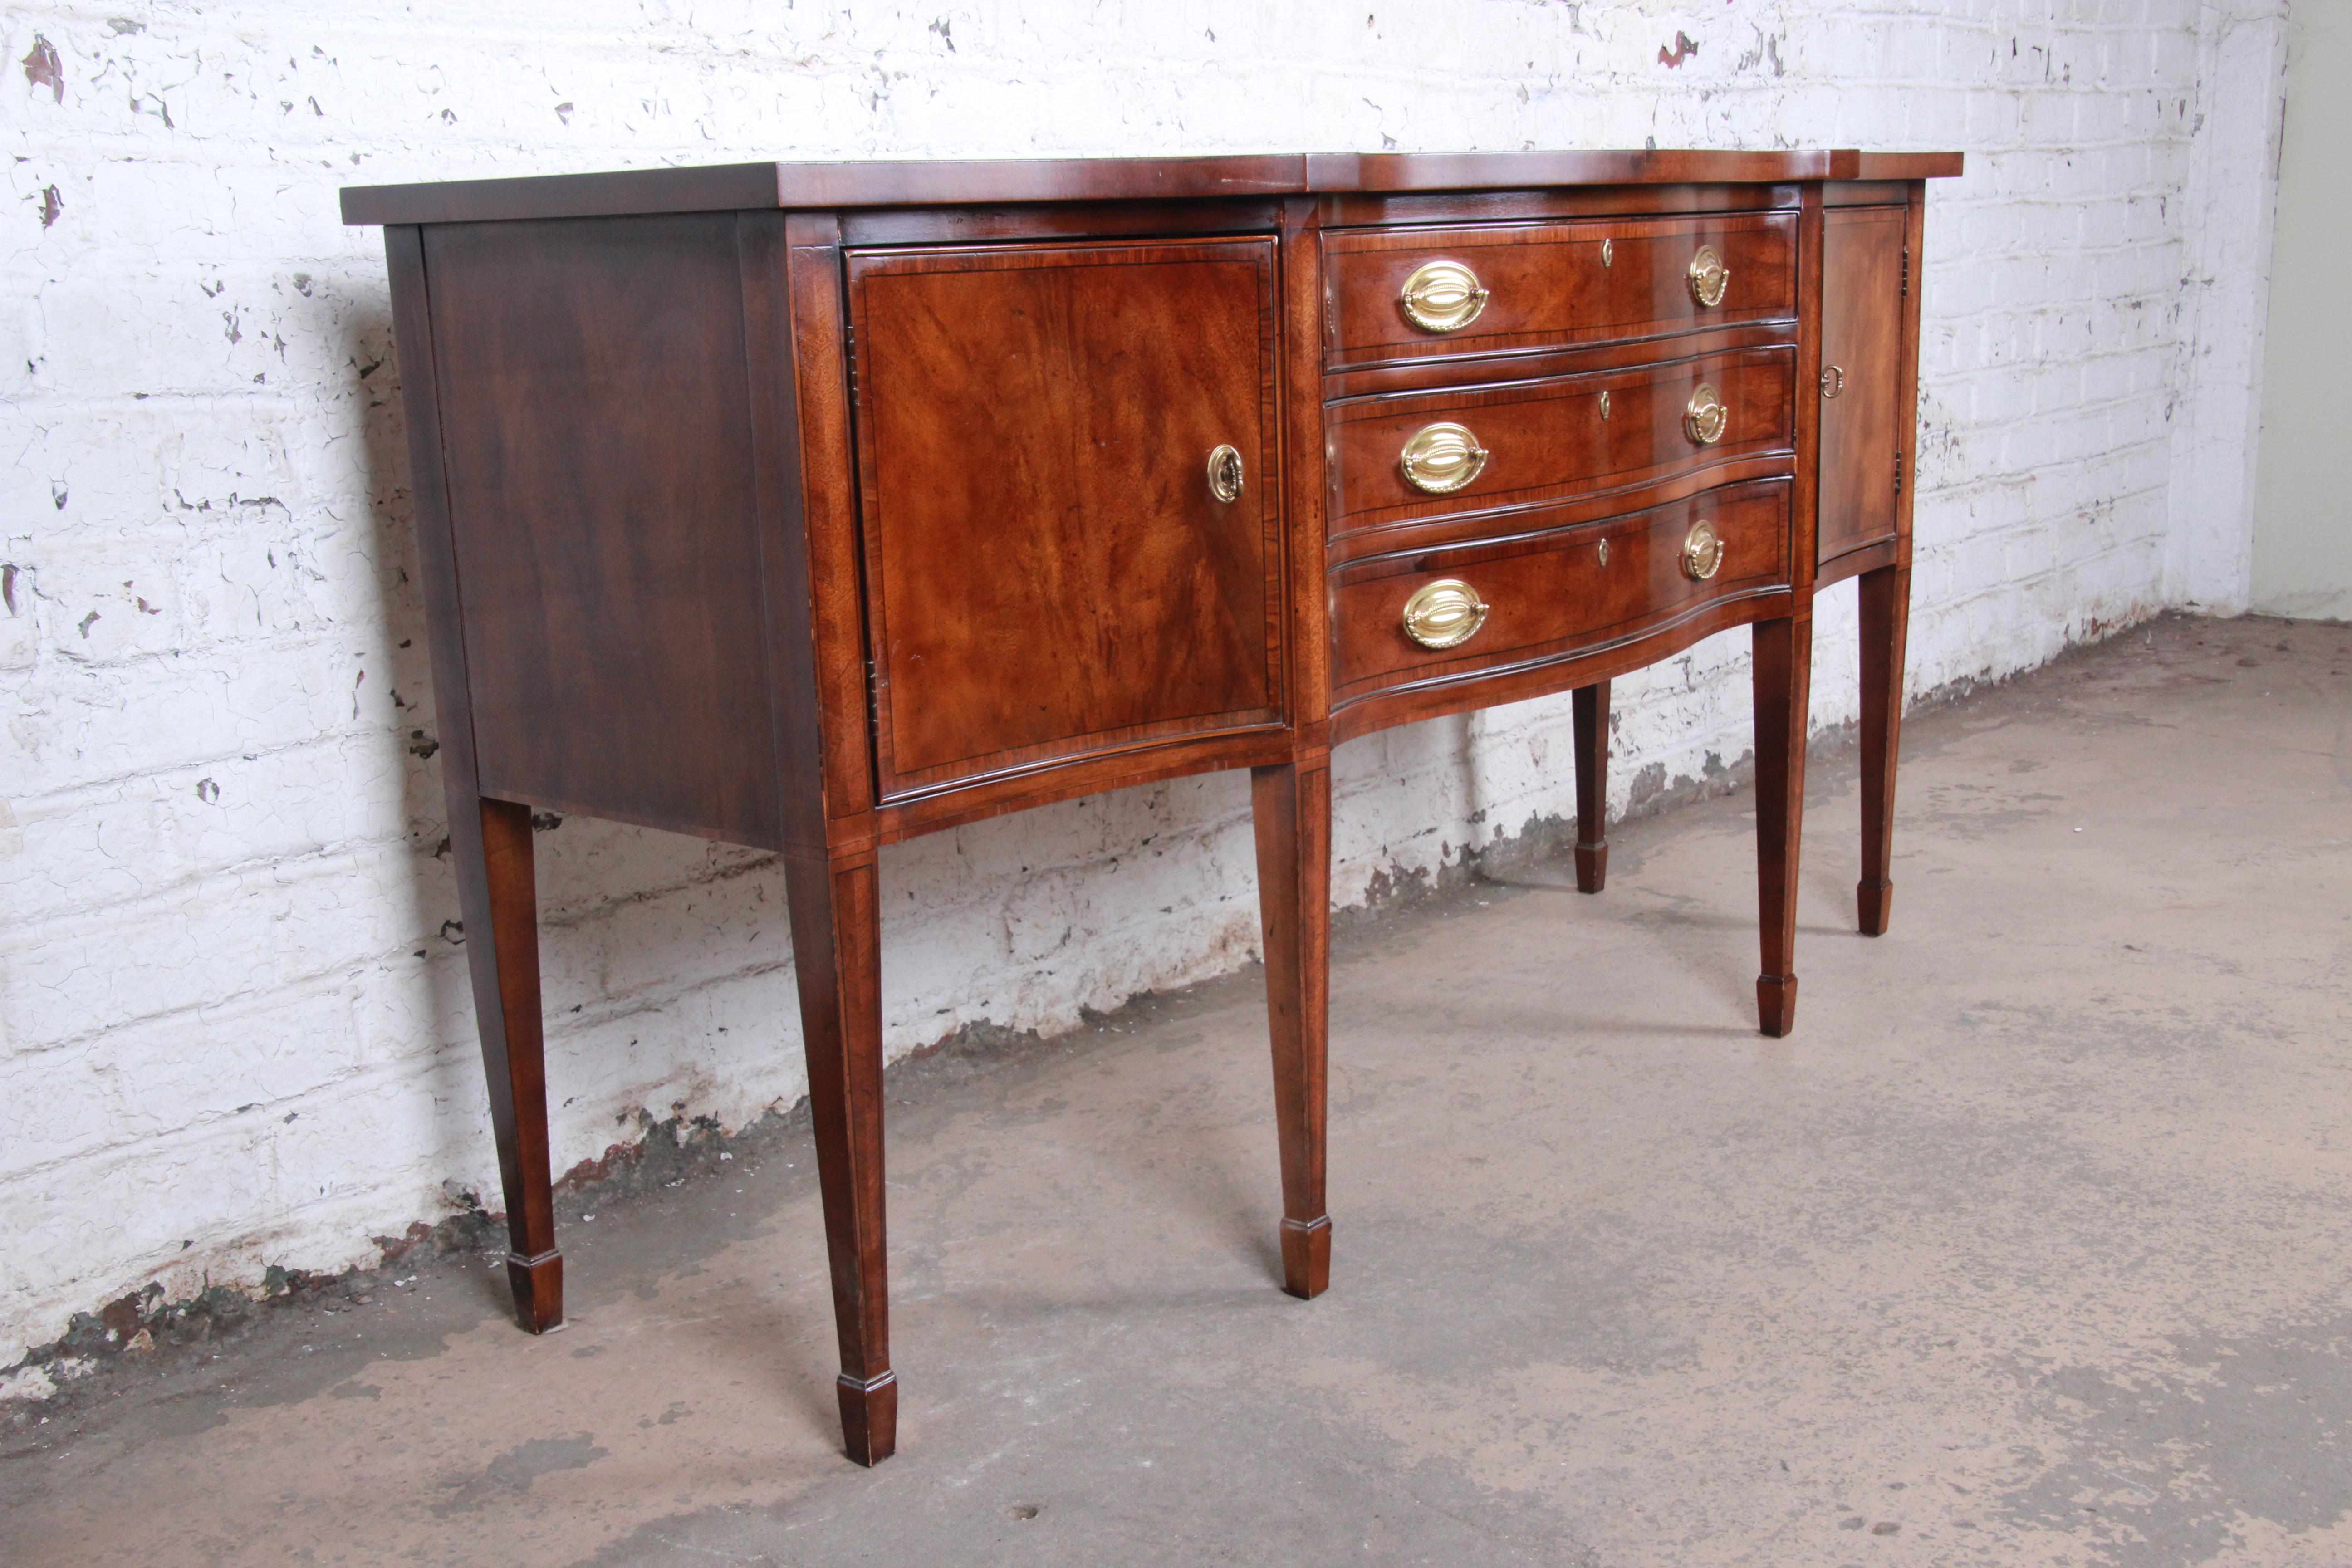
(1507, 602)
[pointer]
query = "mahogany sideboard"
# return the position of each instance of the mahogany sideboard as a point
(815, 506)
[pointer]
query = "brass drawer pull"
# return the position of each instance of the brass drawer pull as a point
(1444, 614)
(1702, 552)
(1708, 277)
(1442, 458)
(1832, 380)
(1704, 416)
(1441, 297)
(1225, 474)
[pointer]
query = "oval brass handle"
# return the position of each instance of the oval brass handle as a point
(1444, 614)
(1441, 297)
(1702, 552)
(1704, 416)
(1225, 474)
(1832, 380)
(1708, 277)
(1442, 458)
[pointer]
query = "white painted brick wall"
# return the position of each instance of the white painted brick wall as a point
(232, 1033)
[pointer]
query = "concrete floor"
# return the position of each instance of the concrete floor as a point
(2032, 1245)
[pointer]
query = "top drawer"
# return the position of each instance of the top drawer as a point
(1535, 285)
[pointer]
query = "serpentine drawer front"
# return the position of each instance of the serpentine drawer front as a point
(1557, 591)
(1535, 285)
(1541, 440)
(816, 506)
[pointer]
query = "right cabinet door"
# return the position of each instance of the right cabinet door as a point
(1861, 376)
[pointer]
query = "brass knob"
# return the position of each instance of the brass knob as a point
(1832, 380)
(1708, 277)
(1442, 458)
(1702, 552)
(1704, 416)
(1444, 614)
(1441, 297)
(1225, 474)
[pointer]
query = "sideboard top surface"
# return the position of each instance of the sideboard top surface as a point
(971, 182)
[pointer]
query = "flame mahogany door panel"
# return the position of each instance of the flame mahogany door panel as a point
(1862, 375)
(1050, 573)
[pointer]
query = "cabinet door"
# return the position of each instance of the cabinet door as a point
(1051, 572)
(1862, 371)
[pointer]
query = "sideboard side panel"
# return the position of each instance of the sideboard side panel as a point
(603, 513)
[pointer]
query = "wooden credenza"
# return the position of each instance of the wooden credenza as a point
(816, 506)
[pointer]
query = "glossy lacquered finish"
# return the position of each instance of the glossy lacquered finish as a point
(814, 507)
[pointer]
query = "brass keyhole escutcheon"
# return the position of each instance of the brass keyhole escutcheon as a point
(1704, 416)
(1604, 406)
(1702, 552)
(1442, 458)
(1225, 474)
(1604, 553)
(1708, 277)
(1608, 253)
(1441, 297)
(1832, 380)
(1444, 614)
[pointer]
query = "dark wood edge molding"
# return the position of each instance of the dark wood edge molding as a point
(912, 182)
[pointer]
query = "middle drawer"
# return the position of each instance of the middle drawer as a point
(1405, 457)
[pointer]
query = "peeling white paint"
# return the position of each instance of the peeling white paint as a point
(234, 1026)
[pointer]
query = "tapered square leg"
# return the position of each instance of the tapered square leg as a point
(1783, 675)
(1886, 623)
(498, 896)
(1292, 807)
(1591, 709)
(837, 952)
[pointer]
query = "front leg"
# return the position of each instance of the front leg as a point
(1885, 618)
(1783, 673)
(1591, 716)
(836, 959)
(1291, 803)
(498, 897)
